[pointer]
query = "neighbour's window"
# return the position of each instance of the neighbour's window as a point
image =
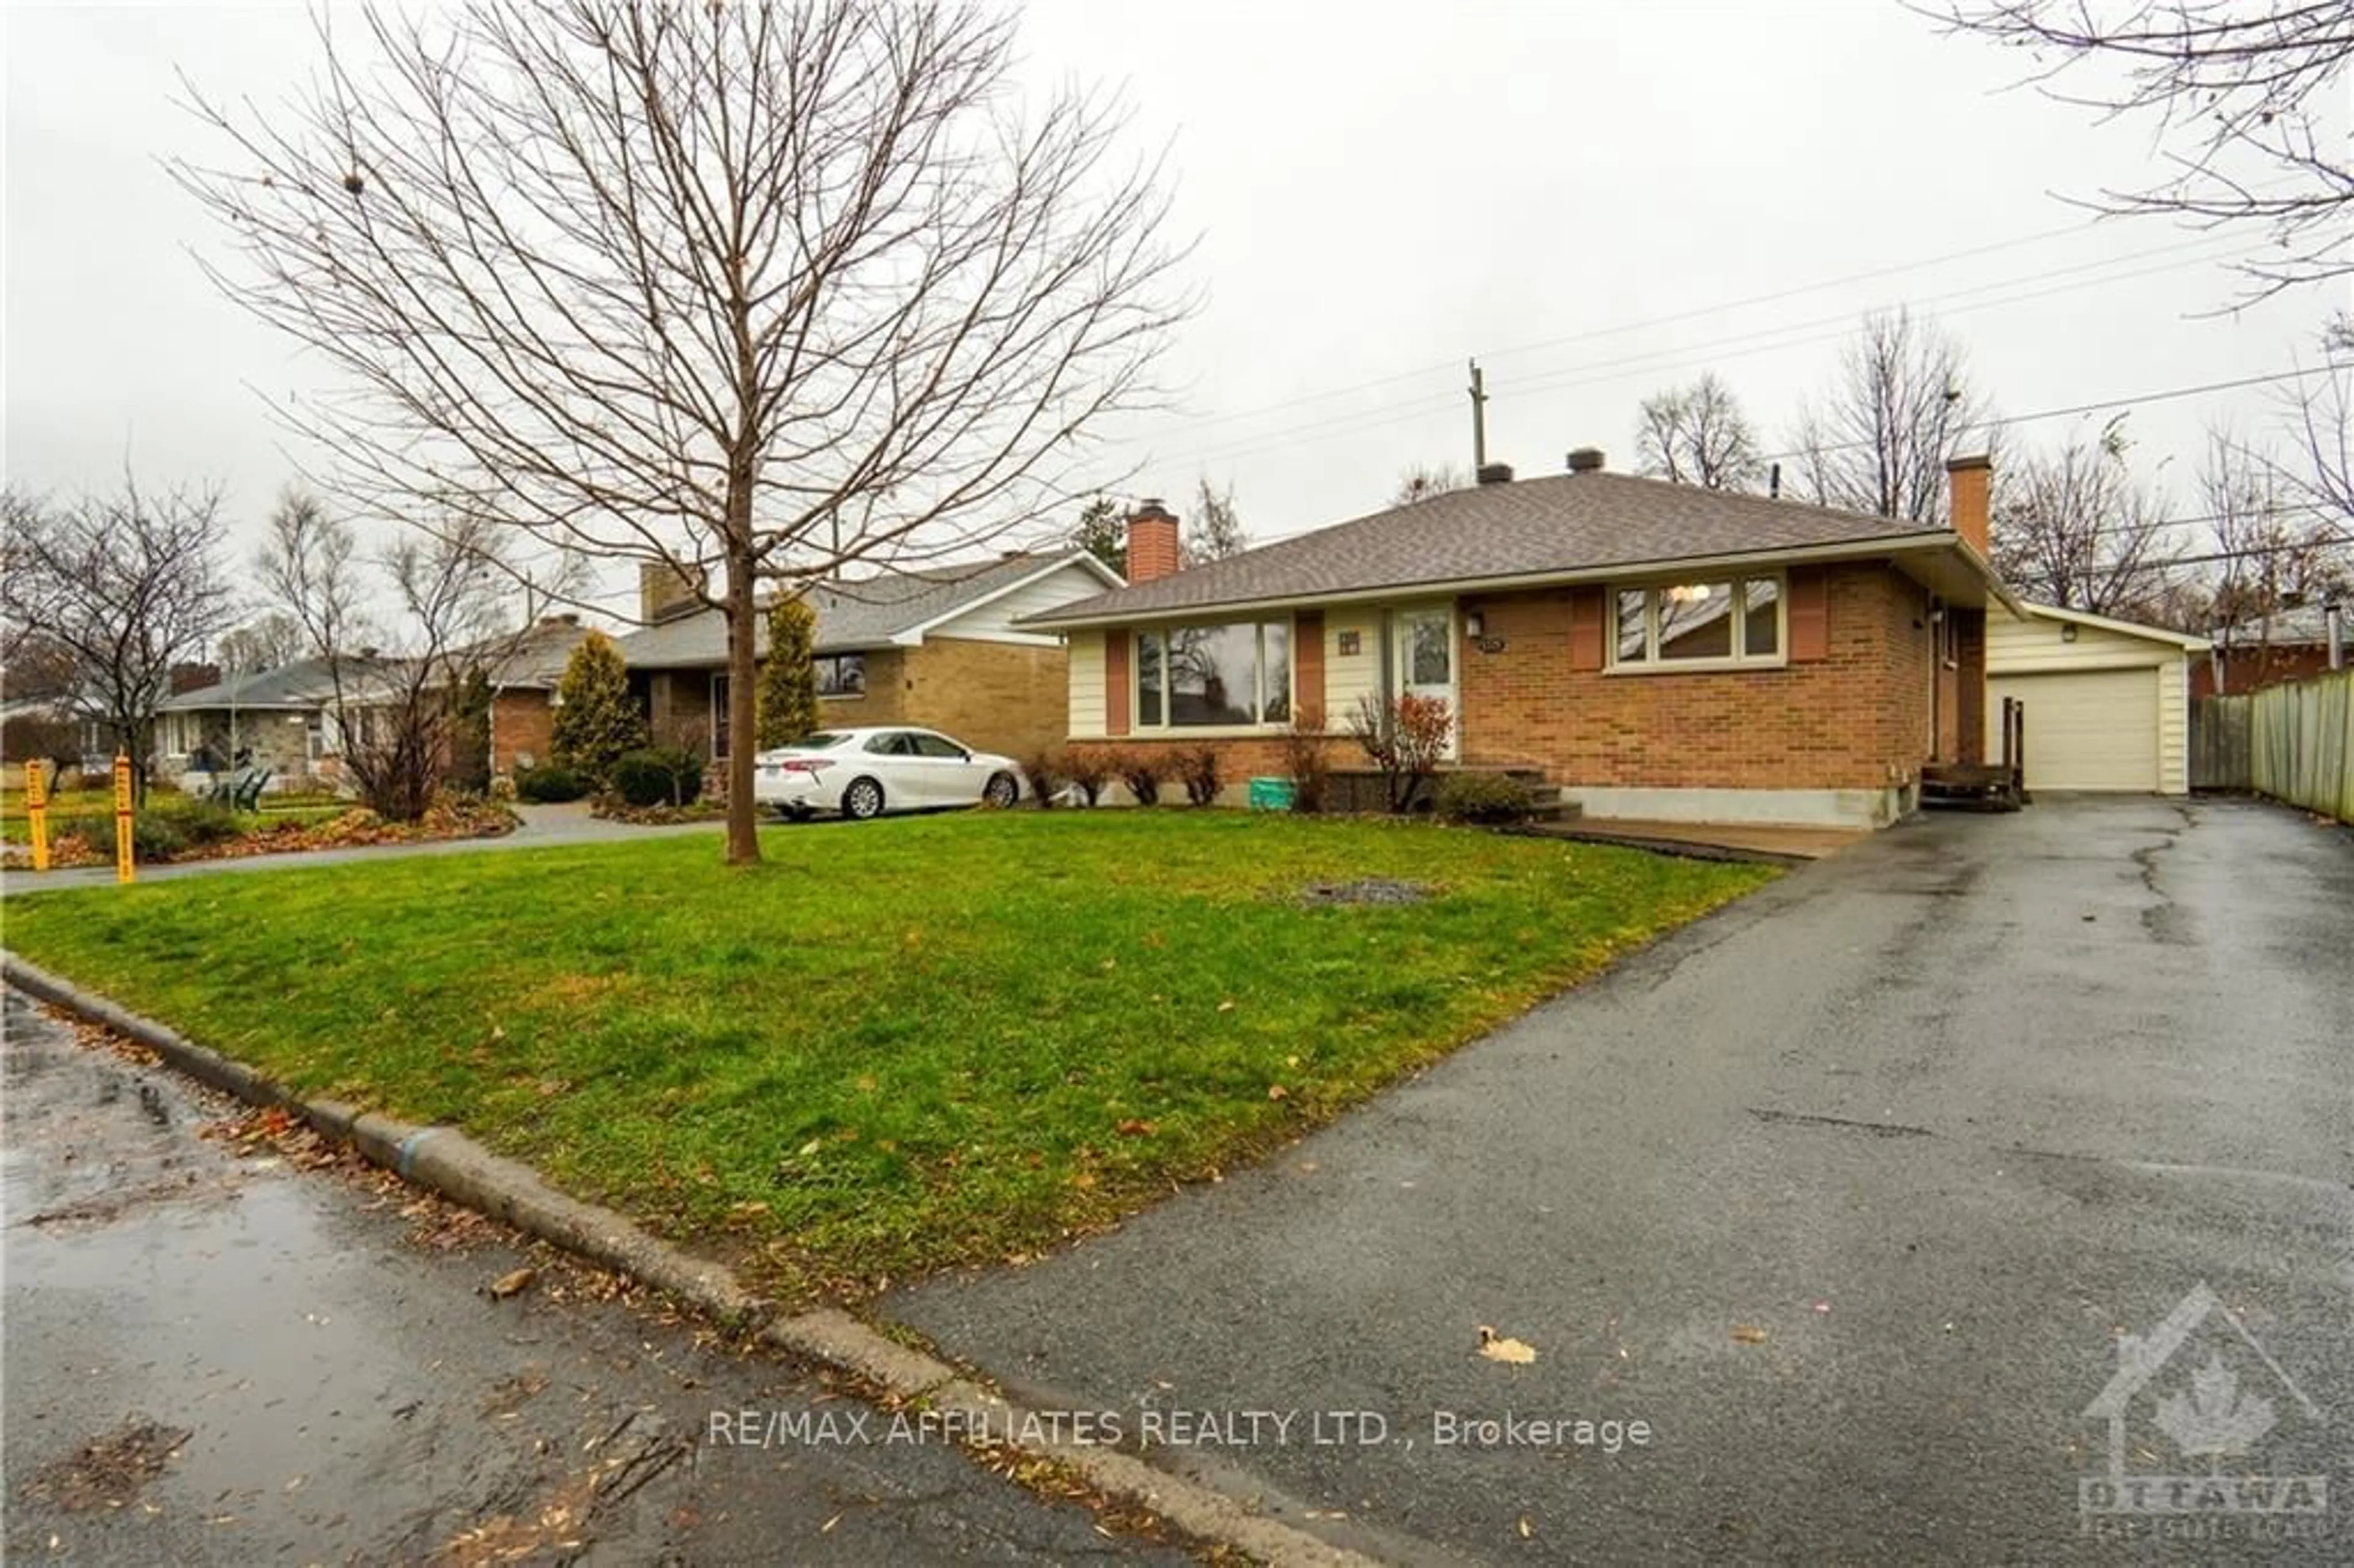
(718, 716)
(1734, 620)
(1213, 676)
(840, 675)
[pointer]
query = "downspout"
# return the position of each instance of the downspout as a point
(2333, 624)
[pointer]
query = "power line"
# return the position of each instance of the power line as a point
(1667, 361)
(1670, 319)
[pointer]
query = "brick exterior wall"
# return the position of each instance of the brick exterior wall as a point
(522, 725)
(1848, 711)
(2248, 667)
(994, 696)
(1008, 697)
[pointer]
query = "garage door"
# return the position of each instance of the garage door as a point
(2094, 729)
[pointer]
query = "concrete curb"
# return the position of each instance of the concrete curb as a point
(446, 1162)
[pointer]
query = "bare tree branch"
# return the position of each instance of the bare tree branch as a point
(2247, 95)
(770, 289)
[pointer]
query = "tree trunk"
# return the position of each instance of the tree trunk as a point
(743, 811)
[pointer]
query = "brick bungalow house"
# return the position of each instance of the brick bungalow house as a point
(937, 648)
(523, 670)
(1659, 650)
(2289, 645)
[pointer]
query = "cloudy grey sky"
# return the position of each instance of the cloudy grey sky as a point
(1569, 192)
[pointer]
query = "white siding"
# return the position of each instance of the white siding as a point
(1087, 665)
(1348, 677)
(994, 621)
(2146, 688)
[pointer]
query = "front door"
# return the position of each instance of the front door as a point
(1423, 645)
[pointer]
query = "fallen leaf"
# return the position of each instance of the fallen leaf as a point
(811, 1147)
(513, 1284)
(1527, 1529)
(1744, 1333)
(1133, 1128)
(1226, 1006)
(1495, 1347)
(1277, 1092)
(829, 1524)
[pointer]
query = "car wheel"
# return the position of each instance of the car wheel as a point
(1001, 790)
(863, 799)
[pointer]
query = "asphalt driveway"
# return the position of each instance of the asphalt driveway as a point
(1847, 1194)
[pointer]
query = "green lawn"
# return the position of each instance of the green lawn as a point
(893, 1044)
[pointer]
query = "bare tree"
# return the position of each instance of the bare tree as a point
(123, 587)
(1215, 531)
(263, 644)
(774, 290)
(2247, 94)
(2277, 548)
(1901, 406)
(2074, 527)
(1698, 435)
(1423, 481)
(394, 708)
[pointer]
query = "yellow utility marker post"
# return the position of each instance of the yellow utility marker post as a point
(36, 811)
(123, 870)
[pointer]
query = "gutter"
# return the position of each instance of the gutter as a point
(1888, 545)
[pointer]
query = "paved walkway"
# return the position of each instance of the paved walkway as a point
(543, 827)
(1849, 1193)
(1737, 839)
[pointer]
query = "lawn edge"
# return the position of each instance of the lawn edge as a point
(446, 1162)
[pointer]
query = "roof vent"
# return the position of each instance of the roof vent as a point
(1585, 460)
(1495, 474)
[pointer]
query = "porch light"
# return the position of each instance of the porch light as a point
(1474, 625)
(2067, 632)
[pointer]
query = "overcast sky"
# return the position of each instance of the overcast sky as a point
(1381, 192)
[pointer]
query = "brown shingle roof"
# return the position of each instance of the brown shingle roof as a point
(1557, 525)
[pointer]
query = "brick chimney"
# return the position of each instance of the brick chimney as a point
(1153, 549)
(665, 591)
(1967, 479)
(194, 677)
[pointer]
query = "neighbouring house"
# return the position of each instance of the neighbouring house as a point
(941, 648)
(2288, 645)
(523, 669)
(2108, 702)
(1657, 650)
(281, 719)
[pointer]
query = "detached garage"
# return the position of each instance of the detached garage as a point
(2108, 702)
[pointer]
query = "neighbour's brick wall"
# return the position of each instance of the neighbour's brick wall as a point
(1854, 719)
(2251, 667)
(1006, 697)
(522, 727)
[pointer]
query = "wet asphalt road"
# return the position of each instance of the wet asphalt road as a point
(281, 1365)
(1847, 1192)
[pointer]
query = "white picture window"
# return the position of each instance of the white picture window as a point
(1702, 621)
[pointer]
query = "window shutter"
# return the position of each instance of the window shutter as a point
(1307, 669)
(1116, 680)
(1586, 629)
(1810, 615)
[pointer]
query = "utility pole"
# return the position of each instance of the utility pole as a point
(1479, 419)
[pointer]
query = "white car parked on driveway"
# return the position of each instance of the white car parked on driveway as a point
(866, 772)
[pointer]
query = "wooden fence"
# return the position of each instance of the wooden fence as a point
(2293, 742)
